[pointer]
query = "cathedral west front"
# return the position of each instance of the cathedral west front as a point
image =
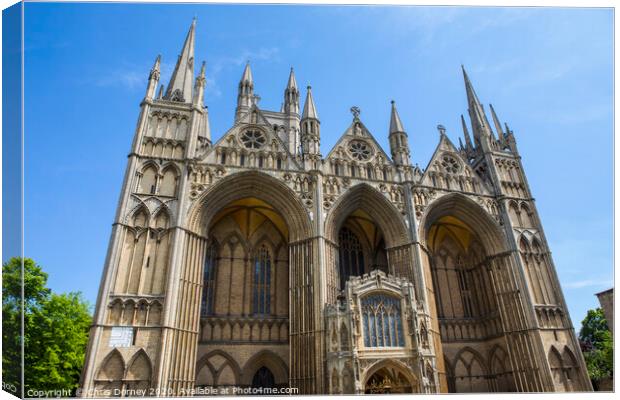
(256, 261)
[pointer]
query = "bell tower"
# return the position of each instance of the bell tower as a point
(137, 336)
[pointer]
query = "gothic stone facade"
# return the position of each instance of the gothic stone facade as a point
(256, 261)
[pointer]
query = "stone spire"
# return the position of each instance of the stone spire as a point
(199, 87)
(245, 96)
(291, 95)
(498, 125)
(480, 126)
(396, 124)
(180, 86)
(399, 144)
(310, 127)
(468, 143)
(153, 78)
(309, 107)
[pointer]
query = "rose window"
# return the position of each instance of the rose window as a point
(360, 150)
(253, 139)
(449, 164)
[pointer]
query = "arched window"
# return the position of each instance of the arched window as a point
(382, 321)
(208, 282)
(168, 185)
(263, 378)
(351, 256)
(369, 172)
(262, 282)
(242, 159)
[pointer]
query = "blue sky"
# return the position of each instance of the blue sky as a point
(547, 71)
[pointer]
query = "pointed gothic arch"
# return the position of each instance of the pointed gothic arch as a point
(269, 360)
(401, 376)
(471, 213)
(141, 217)
(364, 197)
(112, 368)
(207, 374)
(251, 184)
(139, 368)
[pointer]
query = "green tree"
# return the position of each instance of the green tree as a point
(55, 330)
(597, 345)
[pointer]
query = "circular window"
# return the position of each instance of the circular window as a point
(253, 139)
(449, 164)
(360, 150)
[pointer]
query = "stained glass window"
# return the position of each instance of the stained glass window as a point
(351, 256)
(261, 303)
(208, 283)
(382, 321)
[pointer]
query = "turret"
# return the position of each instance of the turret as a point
(180, 86)
(291, 109)
(153, 79)
(310, 128)
(199, 87)
(291, 95)
(399, 144)
(245, 97)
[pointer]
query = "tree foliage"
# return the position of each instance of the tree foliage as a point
(55, 330)
(597, 345)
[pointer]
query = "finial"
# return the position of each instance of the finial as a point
(392, 102)
(441, 129)
(355, 110)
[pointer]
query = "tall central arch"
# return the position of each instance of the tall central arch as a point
(364, 230)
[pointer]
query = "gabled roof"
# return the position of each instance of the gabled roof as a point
(445, 146)
(261, 120)
(363, 133)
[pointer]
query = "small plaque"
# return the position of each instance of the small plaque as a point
(121, 336)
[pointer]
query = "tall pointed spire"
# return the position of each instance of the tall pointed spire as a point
(291, 95)
(399, 145)
(498, 125)
(480, 126)
(292, 82)
(468, 144)
(395, 123)
(309, 107)
(247, 74)
(180, 86)
(245, 95)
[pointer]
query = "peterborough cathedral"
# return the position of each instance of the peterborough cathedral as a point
(254, 261)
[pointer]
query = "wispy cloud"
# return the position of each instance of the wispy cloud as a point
(130, 76)
(589, 283)
(219, 64)
(130, 79)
